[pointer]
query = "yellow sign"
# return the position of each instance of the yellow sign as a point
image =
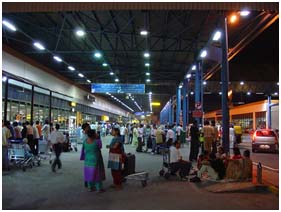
(105, 118)
(155, 103)
(73, 104)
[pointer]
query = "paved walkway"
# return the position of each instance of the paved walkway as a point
(39, 188)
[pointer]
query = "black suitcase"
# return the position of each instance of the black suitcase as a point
(129, 165)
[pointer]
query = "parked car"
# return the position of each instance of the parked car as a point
(265, 140)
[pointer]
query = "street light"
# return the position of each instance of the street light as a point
(233, 18)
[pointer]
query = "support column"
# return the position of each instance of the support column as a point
(225, 80)
(32, 103)
(184, 115)
(187, 102)
(50, 107)
(178, 111)
(254, 121)
(198, 84)
(268, 113)
(6, 99)
(172, 112)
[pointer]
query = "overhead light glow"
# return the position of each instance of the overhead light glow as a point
(275, 93)
(204, 83)
(244, 13)
(104, 64)
(89, 81)
(150, 93)
(147, 74)
(80, 32)
(233, 19)
(203, 54)
(260, 93)
(39, 46)
(217, 36)
(116, 80)
(97, 55)
(248, 93)
(188, 76)
(241, 83)
(180, 86)
(277, 83)
(80, 75)
(155, 103)
(9, 25)
(148, 80)
(4, 79)
(71, 68)
(191, 92)
(57, 58)
(111, 73)
(193, 68)
(146, 54)
(220, 93)
(147, 64)
(144, 32)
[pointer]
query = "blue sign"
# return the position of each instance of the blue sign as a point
(117, 88)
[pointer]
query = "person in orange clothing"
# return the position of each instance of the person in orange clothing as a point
(39, 128)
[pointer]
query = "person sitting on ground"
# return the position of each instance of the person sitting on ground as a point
(237, 154)
(177, 163)
(247, 166)
(221, 154)
(203, 159)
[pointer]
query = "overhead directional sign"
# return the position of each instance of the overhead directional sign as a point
(117, 88)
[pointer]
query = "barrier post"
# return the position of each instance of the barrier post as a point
(259, 173)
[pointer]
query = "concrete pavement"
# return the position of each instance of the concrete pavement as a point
(39, 188)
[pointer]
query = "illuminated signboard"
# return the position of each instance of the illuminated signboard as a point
(117, 88)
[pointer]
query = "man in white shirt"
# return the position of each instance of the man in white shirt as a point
(36, 137)
(57, 140)
(178, 130)
(122, 133)
(140, 138)
(170, 137)
(177, 163)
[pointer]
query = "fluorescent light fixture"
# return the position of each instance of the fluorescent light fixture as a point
(89, 81)
(204, 83)
(80, 32)
(71, 68)
(148, 80)
(80, 75)
(4, 79)
(180, 86)
(193, 68)
(9, 25)
(191, 92)
(188, 76)
(241, 83)
(146, 54)
(147, 74)
(259, 93)
(248, 93)
(57, 58)
(147, 64)
(220, 93)
(116, 80)
(97, 55)
(39, 46)
(104, 64)
(150, 93)
(203, 54)
(244, 13)
(217, 36)
(144, 32)
(111, 73)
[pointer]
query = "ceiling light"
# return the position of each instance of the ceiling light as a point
(89, 81)
(150, 93)
(97, 55)
(191, 92)
(220, 93)
(260, 93)
(248, 93)
(71, 68)
(80, 75)
(180, 86)
(9, 25)
(241, 83)
(80, 32)
(4, 79)
(57, 58)
(204, 83)
(203, 54)
(39, 46)
(233, 18)
(146, 54)
(147, 73)
(193, 68)
(147, 64)
(144, 32)
(188, 76)
(116, 80)
(104, 64)
(148, 80)
(275, 93)
(244, 13)
(111, 73)
(217, 36)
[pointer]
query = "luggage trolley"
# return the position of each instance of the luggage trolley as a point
(166, 167)
(19, 155)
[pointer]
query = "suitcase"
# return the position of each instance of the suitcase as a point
(129, 165)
